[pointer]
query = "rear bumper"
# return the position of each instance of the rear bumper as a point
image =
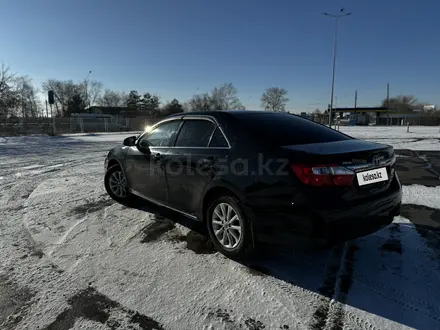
(304, 224)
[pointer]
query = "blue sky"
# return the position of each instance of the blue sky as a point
(176, 48)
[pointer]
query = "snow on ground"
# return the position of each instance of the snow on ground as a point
(71, 258)
(392, 132)
(418, 137)
(421, 195)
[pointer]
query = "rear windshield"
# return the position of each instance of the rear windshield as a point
(284, 129)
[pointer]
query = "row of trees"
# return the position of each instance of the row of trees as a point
(20, 97)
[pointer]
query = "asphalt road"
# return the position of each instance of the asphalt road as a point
(422, 168)
(418, 167)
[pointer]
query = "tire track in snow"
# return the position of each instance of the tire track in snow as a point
(399, 299)
(393, 295)
(289, 291)
(331, 314)
(295, 292)
(336, 313)
(327, 290)
(402, 300)
(31, 169)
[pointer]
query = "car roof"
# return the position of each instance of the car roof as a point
(222, 113)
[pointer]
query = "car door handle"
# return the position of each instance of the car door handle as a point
(157, 157)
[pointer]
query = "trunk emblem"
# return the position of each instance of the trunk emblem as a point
(377, 159)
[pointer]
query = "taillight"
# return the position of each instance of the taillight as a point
(323, 175)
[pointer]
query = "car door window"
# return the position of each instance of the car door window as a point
(161, 136)
(218, 140)
(195, 133)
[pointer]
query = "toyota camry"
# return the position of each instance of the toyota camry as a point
(257, 176)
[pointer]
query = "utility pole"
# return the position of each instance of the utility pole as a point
(388, 95)
(388, 102)
(335, 44)
(87, 87)
(355, 100)
(53, 121)
(51, 98)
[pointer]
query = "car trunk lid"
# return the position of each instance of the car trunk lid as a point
(366, 160)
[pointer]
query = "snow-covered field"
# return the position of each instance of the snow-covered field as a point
(71, 258)
(418, 137)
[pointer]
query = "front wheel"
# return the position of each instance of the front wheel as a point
(229, 230)
(116, 184)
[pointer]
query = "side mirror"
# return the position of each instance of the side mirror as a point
(130, 141)
(144, 149)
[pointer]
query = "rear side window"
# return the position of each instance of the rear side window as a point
(195, 133)
(284, 129)
(218, 140)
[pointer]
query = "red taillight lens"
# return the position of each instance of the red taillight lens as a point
(323, 175)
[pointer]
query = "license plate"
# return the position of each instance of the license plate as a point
(372, 176)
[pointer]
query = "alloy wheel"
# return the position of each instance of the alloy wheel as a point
(227, 225)
(117, 184)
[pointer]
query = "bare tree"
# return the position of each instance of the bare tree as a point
(8, 96)
(274, 99)
(28, 104)
(64, 92)
(92, 92)
(201, 102)
(111, 98)
(225, 98)
(404, 103)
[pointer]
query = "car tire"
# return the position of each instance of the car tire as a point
(217, 226)
(115, 175)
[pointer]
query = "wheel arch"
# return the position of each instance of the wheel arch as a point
(212, 192)
(222, 190)
(113, 162)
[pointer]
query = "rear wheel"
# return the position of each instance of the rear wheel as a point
(116, 184)
(228, 228)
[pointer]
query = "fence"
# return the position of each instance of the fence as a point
(28, 126)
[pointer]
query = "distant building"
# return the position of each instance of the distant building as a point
(118, 113)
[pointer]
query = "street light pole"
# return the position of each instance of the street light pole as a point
(335, 45)
(87, 87)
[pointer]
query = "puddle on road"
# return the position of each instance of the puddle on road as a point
(94, 306)
(427, 224)
(421, 215)
(416, 167)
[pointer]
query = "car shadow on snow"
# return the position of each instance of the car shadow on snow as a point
(366, 273)
(164, 226)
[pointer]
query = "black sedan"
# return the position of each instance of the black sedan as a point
(256, 176)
